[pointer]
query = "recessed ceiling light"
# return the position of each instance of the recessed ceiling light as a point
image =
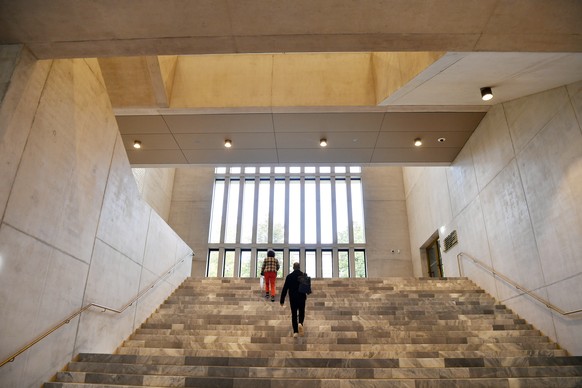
(323, 142)
(486, 93)
(228, 143)
(441, 139)
(417, 142)
(137, 144)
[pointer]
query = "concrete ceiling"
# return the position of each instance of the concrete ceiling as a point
(368, 76)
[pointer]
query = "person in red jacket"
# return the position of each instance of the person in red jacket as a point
(269, 270)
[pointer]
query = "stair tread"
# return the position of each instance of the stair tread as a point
(397, 332)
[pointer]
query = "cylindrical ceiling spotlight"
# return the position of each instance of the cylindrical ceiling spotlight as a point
(417, 142)
(486, 93)
(136, 144)
(228, 143)
(323, 142)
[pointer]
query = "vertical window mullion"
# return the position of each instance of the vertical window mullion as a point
(333, 212)
(241, 192)
(302, 210)
(350, 218)
(254, 226)
(224, 209)
(287, 206)
(317, 210)
(271, 215)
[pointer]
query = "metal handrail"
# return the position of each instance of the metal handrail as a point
(65, 321)
(515, 284)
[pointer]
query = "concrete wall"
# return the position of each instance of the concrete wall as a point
(387, 238)
(190, 211)
(155, 186)
(73, 227)
(514, 196)
(384, 211)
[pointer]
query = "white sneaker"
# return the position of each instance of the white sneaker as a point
(301, 331)
(294, 335)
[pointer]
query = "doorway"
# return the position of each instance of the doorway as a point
(434, 260)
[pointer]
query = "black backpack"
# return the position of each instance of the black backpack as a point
(304, 284)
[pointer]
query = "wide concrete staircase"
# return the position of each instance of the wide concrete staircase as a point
(396, 332)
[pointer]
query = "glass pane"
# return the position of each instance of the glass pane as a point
(232, 211)
(294, 170)
(261, 254)
(280, 170)
(294, 212)
(360, 263)
(355, 169)
(293, 258)
(263, 212)
(325, 211)
(245, 264)
(325, 170)
(216, 217)
(326, 264)
(228, 267)
(341, 200)
(343, 264)
(279, 256)
(250, 170)
(212, 268)
(235, 170)
(310, 263)
(310, 213)
(340, 169)
(264, 170)
(248, 210)
(220, 170)
(310, 170)
(358, 211)
(279, 212)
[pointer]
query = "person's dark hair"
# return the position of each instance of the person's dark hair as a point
(270, 253)
(296, 266)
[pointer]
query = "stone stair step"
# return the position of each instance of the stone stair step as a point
(300, 351)
(332, 362)
(398, 332)
(324, 372)
(243, 382)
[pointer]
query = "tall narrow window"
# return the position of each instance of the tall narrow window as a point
(326, 264)
(310, 267)
(263, 212)
(360, 263)
(228, 267)
(279, 212)
(212, 269)
(261, 254)
(232, 211)
(357, 211)
(310, 215)
(341, 200)
(216, 214)
(325, 211)
(248, 210)
(245, 264)
(343, 263)
(293, 258)
(279, 256)
(294, 211)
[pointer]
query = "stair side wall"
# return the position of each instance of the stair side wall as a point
(514, 196)
(74, 228)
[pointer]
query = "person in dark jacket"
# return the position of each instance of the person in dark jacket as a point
(296, 300)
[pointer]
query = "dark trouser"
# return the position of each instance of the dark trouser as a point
(297, 304)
